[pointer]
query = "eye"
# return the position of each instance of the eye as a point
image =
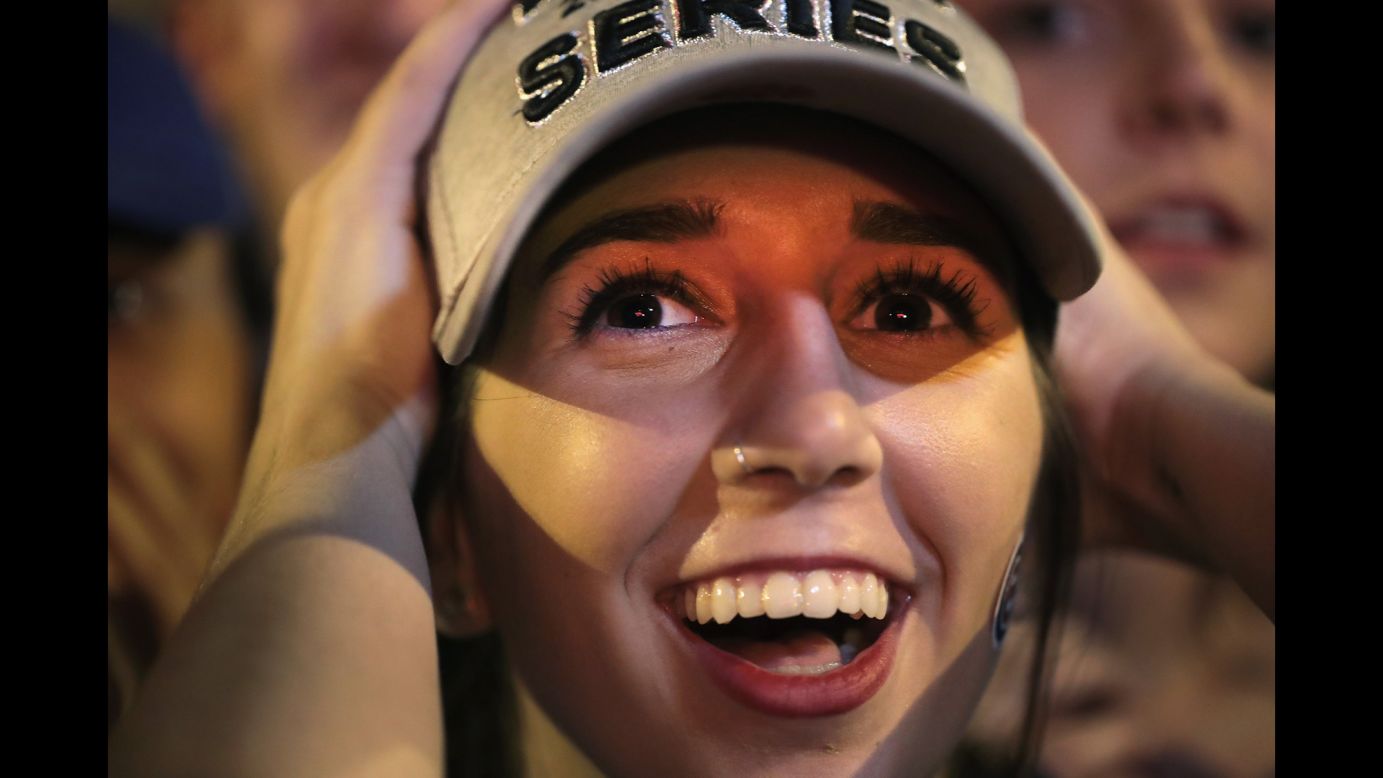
(1255, 32)
(901, 312)
(910, 299)
(637, 299)
(647, 311)
(124, 300)
(1047, 22)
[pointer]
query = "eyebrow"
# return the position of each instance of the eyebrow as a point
(883, 222)
(671, 222)
(668, 222)
(892, 223)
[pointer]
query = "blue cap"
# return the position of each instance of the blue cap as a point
(165, 170)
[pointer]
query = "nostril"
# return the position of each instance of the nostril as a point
(773, 472)
(817, 440)
(847, 476)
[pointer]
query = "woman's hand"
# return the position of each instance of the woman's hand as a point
(1179, 447)
(314, 638)
(352, 363)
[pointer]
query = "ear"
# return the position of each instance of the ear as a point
(461, 608)
(1008, 595)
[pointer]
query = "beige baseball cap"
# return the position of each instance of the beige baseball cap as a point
(560, 79)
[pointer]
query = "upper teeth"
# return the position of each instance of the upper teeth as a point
(819, 594)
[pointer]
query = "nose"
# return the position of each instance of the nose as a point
(799, 420)
(1182, 80)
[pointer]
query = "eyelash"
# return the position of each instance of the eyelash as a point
(955, 294)
(615, 283)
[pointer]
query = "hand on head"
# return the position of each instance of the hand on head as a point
(1177, 445)
(351, 354)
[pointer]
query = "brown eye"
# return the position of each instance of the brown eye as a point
(901, 312)
(637, 312)
(647, 311)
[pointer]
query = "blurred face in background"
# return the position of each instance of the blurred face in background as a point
(1162, 111)
(285, 78)
(179, 400)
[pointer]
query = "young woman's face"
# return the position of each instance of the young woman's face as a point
(1162, 111)
(836, 309)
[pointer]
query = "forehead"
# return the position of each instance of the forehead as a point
(766, 160)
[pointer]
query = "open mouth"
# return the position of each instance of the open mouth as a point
(792, 643)
(1180, 235)
(790, 624)
(1190, 224)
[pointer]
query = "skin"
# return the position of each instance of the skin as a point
(591, 475)
(179, 401)
(1152, 101)
(1142, 102)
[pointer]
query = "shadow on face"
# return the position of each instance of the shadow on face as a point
(843, 314)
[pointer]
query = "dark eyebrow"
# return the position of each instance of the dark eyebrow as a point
(892, 223)
(658, 223)
(884, 222)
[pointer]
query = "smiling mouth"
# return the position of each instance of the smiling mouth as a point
(788, 623)
(793, 643)
(1177, 236)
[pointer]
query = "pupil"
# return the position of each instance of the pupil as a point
(637, 312)
(902, 313)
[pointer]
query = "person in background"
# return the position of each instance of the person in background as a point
(188, 310)
(285, 78)
(1163, 114)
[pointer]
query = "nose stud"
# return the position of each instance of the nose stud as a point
(739, 457)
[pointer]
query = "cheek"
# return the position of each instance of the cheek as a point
(962, 461)
(597, 486)
(1074, 123)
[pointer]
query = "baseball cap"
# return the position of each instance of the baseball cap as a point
(165, 171)
(559, 80)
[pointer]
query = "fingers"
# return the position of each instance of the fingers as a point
(401, 113)
(368, 189)
(352, 350)
(373, 175)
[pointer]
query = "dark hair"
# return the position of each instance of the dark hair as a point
(1053, 515)
(479, 710)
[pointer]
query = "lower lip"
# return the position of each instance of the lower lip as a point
(801, 696)
(1178, 261)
